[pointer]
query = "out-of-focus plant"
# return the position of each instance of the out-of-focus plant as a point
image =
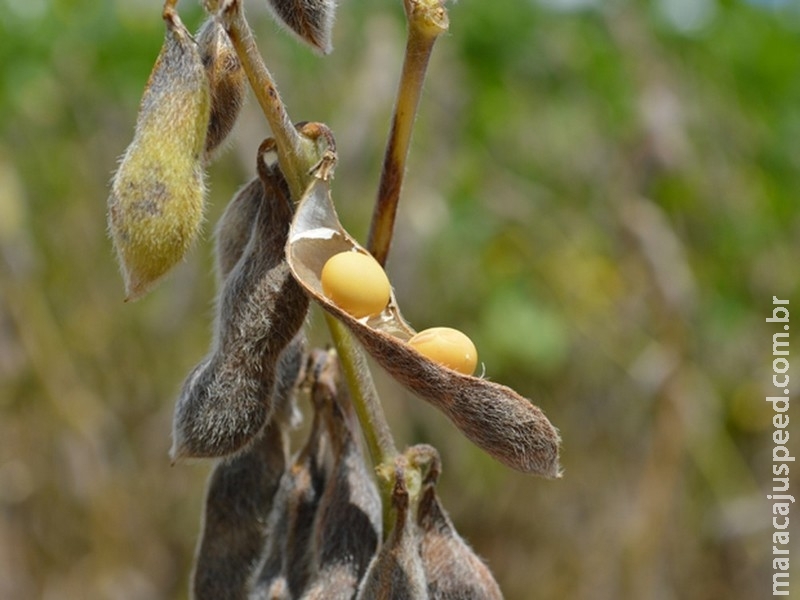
(315, 525)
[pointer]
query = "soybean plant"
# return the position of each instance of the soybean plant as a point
(348, 515)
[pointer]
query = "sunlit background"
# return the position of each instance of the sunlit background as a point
(602, 194)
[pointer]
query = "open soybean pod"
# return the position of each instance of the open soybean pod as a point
(493, 416)
(452, 569)
(348, 520)
(157, 194)
(397, 572)
(226, 399)
(227, 82)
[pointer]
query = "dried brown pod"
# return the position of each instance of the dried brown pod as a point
(348, 520)
(157, 194)
(452, 569)
(234, 227)
(226, 399)
(397, 572)
(240, 496)
(493, 416)
(285, 565)
(227, 81)
(238, 502)
(310, 20)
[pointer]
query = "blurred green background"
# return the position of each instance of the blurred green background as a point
(603, 194)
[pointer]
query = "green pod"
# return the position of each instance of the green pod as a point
(157, 194)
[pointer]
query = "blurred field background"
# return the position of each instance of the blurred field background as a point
(604, 195)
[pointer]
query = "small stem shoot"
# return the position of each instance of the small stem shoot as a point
(427, 19)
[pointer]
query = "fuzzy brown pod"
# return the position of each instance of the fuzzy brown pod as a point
(157, 198)
(493, 416)
(310, 20)
(285, 564)
(235, 226)
(227, 82)
(226, 399)
(452, 569)
(348, 521)
(240, 495)
(397, 571)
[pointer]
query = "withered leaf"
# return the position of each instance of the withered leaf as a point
(493, 416)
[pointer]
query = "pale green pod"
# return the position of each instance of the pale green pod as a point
(157, 194)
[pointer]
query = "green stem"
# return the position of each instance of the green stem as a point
(296, 154)
(427, 19)
(368, 408)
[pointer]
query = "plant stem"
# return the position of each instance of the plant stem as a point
(367, 405)
(296, 154)
(427, 19)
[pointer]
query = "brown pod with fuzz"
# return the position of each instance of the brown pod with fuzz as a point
(235, 226)
(227, 81)
(226, 399)
(493, 416)
(157, 194)
(347, 527)
(285, 565)
(240, 495)
(310, 20)
(397, 572)
(452, 569)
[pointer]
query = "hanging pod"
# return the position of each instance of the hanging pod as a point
(452, 569)
(347, 527)
(310, 20)
(493, 416)
(286, 561)
(397, 571)
(227, 82)
(241, 491)
(226, 399)
(157, 193)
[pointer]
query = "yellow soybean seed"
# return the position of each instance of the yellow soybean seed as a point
(356, 283)
(448, 347)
